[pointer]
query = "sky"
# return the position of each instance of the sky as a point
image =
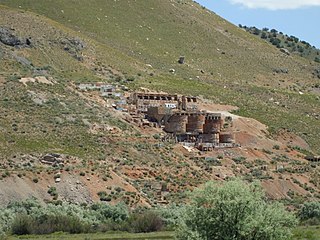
(300, 18)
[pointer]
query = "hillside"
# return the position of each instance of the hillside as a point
(135, 44)
(289, 44)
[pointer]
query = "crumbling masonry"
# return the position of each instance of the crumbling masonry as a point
(180, 119)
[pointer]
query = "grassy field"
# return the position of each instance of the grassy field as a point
(307, 233)
(301, 233)
(101, 236)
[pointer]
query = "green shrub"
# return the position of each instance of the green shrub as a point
(145, 222)
(21, 225)
(105, 212)
(234, 210)
(104, 196)
(310, 213)
(171, 215)
(276, 147)
(53, 192)
(239, 159)
(59, 223)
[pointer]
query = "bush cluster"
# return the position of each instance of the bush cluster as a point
(31, 217)
(233, 210)
(310, 213)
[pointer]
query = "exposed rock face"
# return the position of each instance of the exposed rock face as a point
(8, 38)
(74, 46)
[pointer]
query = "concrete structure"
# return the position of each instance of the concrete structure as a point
(143, 101)
(226, 138)
(195, 123)
(108, 91)
(159, 114)
(315, 159)
(93, 86)
(213, 123)
(202, 130)
(179, 117)
(177, 124)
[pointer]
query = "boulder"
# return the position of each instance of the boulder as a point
(285, 51)
(181, 59)
(8, 38)
(281, 70)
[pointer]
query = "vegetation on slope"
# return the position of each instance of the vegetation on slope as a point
(232, 209)
(291, 43)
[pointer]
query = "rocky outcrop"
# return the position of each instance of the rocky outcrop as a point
(8, 37)
(74, 46)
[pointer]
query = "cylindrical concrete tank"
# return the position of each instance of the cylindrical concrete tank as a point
(210, 138)
(226, 138)
(195, 123)
(212, 126)
(176, 124)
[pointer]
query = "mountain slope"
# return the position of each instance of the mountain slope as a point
(79, 41)
(223, 62)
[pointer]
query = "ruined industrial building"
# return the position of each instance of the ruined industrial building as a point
(183, 122)
(179, 116)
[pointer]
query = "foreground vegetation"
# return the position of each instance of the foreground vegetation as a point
(300, 233)
(234, 210)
